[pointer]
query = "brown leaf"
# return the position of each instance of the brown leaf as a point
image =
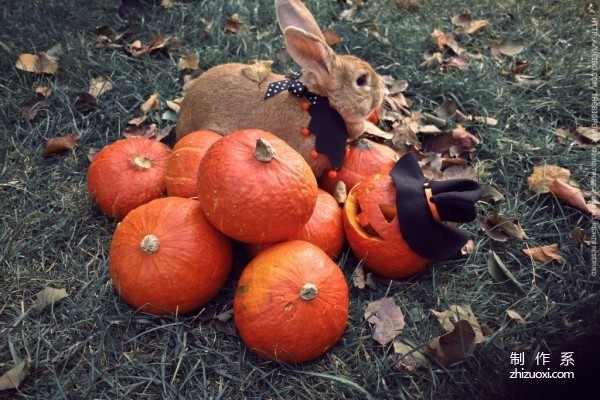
(235, 24)
(583, 137)
(543, 176)
(579, 235)
(490, 194)
(331, 37)
(467, 24)
(408, 5)
(340, 192)
(455, 313)
(47, 297)
(574, 197)
(458, 62)
(409, 358)
(145, 131)
(99, 85)
(510, 227)
(91, 154)
(60, 143)
(501, 274)
(528, 80)
(28, 113)
(511, 47)
(544, 254)
(495, 50)
(459, 172)
(386, 319)
(514, 315)
(13, 378)
(465, 140)
(468, 247)
(258, 71)
(446, 40)
(432, 59)
(189, 61)
(454, 346)
(486, 120)
(446, 110)
(85, 102)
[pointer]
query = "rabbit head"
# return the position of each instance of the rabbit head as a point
(352, 86)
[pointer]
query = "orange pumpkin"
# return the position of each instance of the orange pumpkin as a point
(291, 303)
(363, 159)
(126, 174)
(324, 229)
(255, 188)
(372, 229)
(374, 117)
(166, 258)
(183, 163)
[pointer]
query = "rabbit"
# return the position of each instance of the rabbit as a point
(224, 100)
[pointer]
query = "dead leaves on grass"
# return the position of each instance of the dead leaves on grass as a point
(13, 378)
(386, 319)
(40, 63)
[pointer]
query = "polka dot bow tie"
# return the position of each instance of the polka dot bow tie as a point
(325, 123)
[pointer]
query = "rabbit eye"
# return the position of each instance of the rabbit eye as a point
(362, 80)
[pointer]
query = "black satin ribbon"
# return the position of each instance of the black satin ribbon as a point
(325, 123)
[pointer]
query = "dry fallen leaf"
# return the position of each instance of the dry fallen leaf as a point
(500, 273)
(258, 71)
(99, 85)
(85, 102)
(60, 143)
(189, 62)
(495, 223)
(432, 59)
(468, 248)
(458, 62)
(47, 297)
(544, 254)
(386, 319)
(466, 22)
(455, 313)
(491, 194)
(150, 103)
(13, 378)
(362, 279)
(579, 235)
(511, 47)
(514, 315)
(235, 24)
(41, 63)
(408, 5)
(454, 346)
(543, 176)
(44, 91)
(582, 137)
(28, 113)
(574, 197)
(409, 358)
(446, 40)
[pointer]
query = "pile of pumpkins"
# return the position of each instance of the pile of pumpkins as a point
(172, 254)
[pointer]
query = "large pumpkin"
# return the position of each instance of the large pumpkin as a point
(183, 163)
(126, 174)
(291, 302)
(372, 229)
(255, 188)
(363, 159)
(165, 257)
(324, 229)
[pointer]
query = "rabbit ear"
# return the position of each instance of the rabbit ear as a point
(294, 13)
(309, 51)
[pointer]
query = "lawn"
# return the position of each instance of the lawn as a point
(92, 345)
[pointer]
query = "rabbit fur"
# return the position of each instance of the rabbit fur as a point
(224, 100)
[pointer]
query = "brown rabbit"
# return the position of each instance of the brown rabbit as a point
(224, 100)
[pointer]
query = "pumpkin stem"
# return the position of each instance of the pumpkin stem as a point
(309, 291)
(264, 152)
(149, 244)
(141, 162)
(363, 144)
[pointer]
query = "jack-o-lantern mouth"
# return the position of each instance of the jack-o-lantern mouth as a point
(362, 220)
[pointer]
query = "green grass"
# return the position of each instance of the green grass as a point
(92, 345)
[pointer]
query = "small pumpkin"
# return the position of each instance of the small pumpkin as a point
(166, 258)
(375, 115)
(291, 303)
(255, 188)
(126, 174)
(183, 163)
(363, 159)
(373, 232)
(324, 229)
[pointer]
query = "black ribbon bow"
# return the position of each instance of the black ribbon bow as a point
(325, 123)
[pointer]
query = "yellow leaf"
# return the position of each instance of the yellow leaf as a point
(543, 175)
(48, 63)
(150, 103)
(29, 62)
(516, 316)
(258, 71)
(99, 85)
(48, 297)
(189, 61)
(456, 313)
